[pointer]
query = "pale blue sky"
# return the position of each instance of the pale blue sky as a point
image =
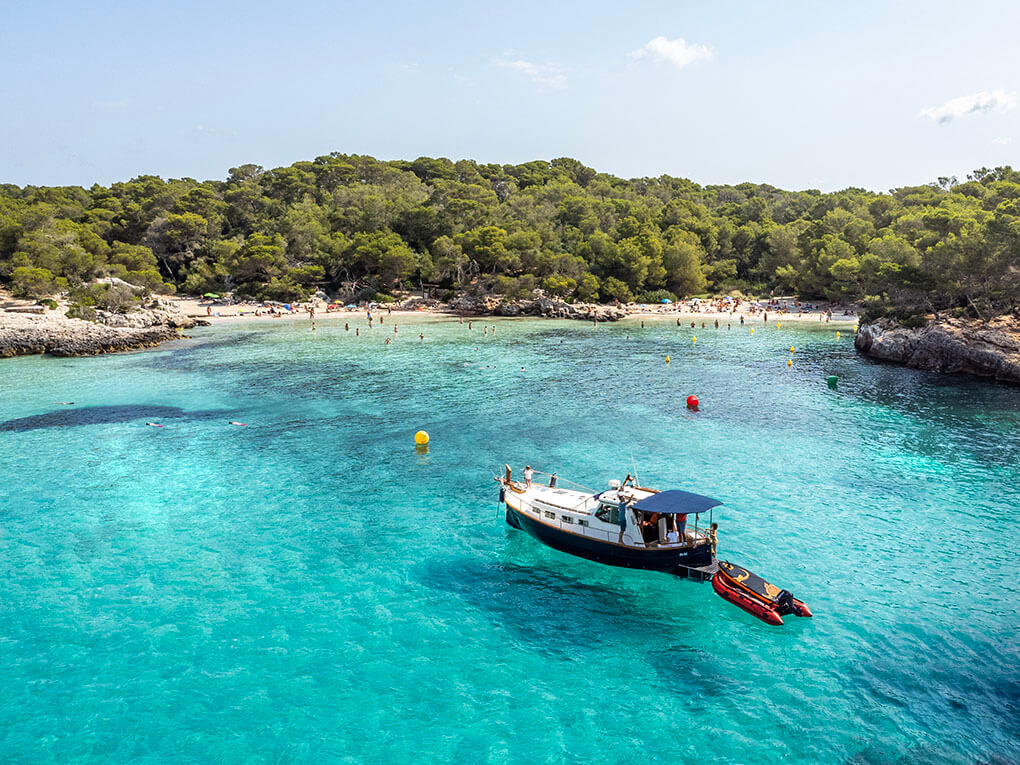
(797, 94)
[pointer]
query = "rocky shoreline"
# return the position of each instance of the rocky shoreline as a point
(490, 305)
(23, 334)
(949, 346)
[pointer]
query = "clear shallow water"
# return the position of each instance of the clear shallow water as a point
(311, 589)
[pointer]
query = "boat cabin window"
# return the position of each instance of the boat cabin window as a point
(609, 514)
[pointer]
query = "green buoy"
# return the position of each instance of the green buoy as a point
(832, 379)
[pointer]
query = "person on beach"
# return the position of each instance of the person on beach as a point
(421, 337)
(741, 318)
(717, 324)
(485, 330)
(528, 475)
(765, 316)
(394, 329)
(347, 326)
(469, 325)
(208, 310)
(728, 327)
(357, 331)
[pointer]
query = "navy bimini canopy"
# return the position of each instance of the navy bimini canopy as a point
(674, 502)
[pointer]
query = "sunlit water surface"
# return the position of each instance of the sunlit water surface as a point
(310, 588)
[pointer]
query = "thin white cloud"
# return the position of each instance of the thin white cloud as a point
(1002, 141)
(678, 53)
(981, 102)
(543, 75)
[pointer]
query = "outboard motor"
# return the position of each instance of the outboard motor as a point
(784, 601)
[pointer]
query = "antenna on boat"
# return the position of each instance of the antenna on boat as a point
(634, 466)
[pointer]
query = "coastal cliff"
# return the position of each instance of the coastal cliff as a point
(23, 333)
(947, 345)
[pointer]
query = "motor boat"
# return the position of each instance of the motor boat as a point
(623, 525)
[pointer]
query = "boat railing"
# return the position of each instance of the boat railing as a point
(567, 481)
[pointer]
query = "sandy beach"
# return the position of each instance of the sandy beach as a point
(222, 313)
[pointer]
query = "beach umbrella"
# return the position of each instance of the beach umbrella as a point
(727, 299)
(210, 295)
(666, 300)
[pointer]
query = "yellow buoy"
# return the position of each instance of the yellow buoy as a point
(779, 325)
(837, 333)
(792, 350)
(421, 438)
(855, 327)
(752, 330)
(694, 339)
(789, 362)
(667, 359)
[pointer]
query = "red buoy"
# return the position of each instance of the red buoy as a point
(692, 402)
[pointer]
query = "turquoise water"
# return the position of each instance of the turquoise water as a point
(311, 589)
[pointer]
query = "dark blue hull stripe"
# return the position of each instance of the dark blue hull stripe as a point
(614, 555)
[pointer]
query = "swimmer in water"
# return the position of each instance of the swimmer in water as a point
(357, 331)
(64, 403)
(389, 341)
(234, 422)
(154, 425)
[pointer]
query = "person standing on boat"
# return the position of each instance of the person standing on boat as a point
(681, 523)
(622, 510)
(528, 475)
(552, 481)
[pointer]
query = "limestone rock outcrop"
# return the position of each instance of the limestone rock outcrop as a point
(947, 345)
(23, 334)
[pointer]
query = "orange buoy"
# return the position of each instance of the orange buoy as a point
(692, 402)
